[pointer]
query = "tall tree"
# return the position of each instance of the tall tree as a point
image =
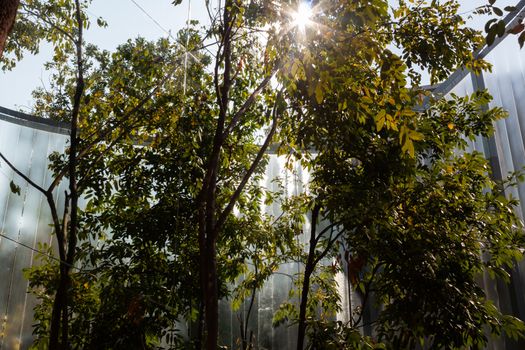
(62, 23)
(158, 130)
(355, 107)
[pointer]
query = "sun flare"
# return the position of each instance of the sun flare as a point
(302, 16)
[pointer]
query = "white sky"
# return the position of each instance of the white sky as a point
(125, 21)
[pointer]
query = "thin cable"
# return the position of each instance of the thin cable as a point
(168, 31)
(162, 28)
(153, 19)
(43, 253)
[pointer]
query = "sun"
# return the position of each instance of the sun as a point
(302, 16)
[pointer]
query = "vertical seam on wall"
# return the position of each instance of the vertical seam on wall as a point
(4, 324)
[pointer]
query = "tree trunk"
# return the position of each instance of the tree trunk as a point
(65, 279)
(301, 332)
(208, 272)
(212, 298)
(58, 307)
(7, 19)
(308, 270)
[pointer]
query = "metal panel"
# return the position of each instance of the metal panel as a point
(24, 220)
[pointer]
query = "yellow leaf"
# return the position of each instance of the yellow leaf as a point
(451, 126)
(296, 68)
(367, 99)
(409, 147)
(416, 136)
(319, 93)
(380, 120)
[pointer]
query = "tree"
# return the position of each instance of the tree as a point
(62, 23)
(126, 94)
(356, 110)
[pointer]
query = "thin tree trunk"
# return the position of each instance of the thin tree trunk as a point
(308, 270)
(212, 300)
(8, 11)
(246, 341)
(58, 303)
(60, 306)
(56, 315)
(208, 231)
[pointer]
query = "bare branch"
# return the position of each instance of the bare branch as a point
(65, 217)
(250, 101)
(22, 175)
(56, 224)
(247, 176)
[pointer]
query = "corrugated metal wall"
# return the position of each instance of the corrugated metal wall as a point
(506, 152)
(24, 218)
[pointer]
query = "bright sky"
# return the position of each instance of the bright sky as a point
(125, 20)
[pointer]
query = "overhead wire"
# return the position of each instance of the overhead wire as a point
(168, 32)
(43, 253)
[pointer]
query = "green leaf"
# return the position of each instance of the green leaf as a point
(497, 11)
(501, 28)
(489, 23)
(491, 37)
(409, 147)
(416, 136)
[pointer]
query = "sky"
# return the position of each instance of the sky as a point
(125, 20)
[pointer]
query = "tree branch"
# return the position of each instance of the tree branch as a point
(246, 178)
(104, 134)
(367, 292)
(8, 11)
(22, 175)
(57, 227)
(44, 19)
(250, 101)
(330, 243)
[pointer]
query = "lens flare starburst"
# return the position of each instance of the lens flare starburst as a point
(302, 17)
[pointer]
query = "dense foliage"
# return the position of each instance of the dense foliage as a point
(172, 149)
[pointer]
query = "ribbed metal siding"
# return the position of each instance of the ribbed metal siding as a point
(24, 218)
